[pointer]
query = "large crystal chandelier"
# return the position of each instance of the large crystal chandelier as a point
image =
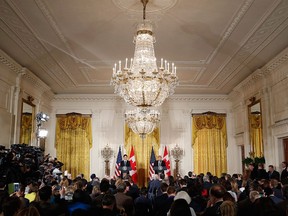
(142, 120)
(141, 83)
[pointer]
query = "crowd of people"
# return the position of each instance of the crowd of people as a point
(43, 191)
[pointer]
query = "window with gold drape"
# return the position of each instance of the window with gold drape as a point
(142, 150)
(26, 128)
(209, 142)
(256, 134)
(73, 143)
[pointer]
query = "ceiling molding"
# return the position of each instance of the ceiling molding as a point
(113, 98)
(254, 39)
(9, 62)
(233, 24)
(47, 14)
(31, 43)
(265, 71)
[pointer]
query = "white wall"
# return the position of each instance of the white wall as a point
(270, 84)
(16, 83)
(175, 125)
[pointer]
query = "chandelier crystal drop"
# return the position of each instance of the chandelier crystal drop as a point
(141, 83)
(142, 120)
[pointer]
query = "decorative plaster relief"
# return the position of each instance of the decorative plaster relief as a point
(4, 95)
(239, 138)
(280, 100)
(259, 37)
(28, 40)
(280, 129)
(233, 24)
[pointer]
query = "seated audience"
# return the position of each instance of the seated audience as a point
(180, 206)
(28, 211)
(160, 201)
(228, 208)
(122, 200)
(282, 206)
(143, 205)
(80, 202)
(108, 206)
(272, 173)
(216, 195)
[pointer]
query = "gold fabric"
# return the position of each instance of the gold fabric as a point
(209, 142)
(142, 149)
(73, 143)
(256, 134)
(26, 128)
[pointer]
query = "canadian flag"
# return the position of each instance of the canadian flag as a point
(133, 171)
(167, 162)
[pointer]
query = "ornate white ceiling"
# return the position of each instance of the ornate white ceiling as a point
(72, 45)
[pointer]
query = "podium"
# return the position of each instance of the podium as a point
(159, 169)
(125, 169)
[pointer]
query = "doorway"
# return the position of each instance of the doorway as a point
(242, 150)
(285, 148)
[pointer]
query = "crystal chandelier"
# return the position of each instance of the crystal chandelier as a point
(142, 120)
(141, 83)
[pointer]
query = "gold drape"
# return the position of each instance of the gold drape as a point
(256, 134)
(209, 142)
(26, 128)
(142, 150)
(73, 143)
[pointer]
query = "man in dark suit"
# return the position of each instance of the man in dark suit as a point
(284, 173)
(160, 201)
(159, 165)
(125, 166)
(215, 200)
(273, 174)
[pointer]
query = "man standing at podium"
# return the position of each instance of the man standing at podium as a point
(159, 165)
(125, 166)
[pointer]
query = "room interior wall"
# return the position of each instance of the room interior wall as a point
(270, 85)
(175, 125)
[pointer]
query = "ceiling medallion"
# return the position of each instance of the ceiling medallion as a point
(155, 6)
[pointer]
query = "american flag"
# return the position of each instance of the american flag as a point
(152, 160)
(118, 161)
(167, 162)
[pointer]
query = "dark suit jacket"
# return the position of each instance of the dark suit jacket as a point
(127, 164)
(159, 205)
(156, 165)
(274, 175)
(126, 202)
(284, 176)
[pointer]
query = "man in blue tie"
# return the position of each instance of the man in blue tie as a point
(125, 166)
(159, 165)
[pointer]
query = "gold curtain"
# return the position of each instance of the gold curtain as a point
(256, 134)
(26, 128)
(73, 143)
(209, 142)
(142, 149)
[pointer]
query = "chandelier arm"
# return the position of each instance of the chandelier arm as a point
(144, 2)
(143, 96)
(158, 94)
